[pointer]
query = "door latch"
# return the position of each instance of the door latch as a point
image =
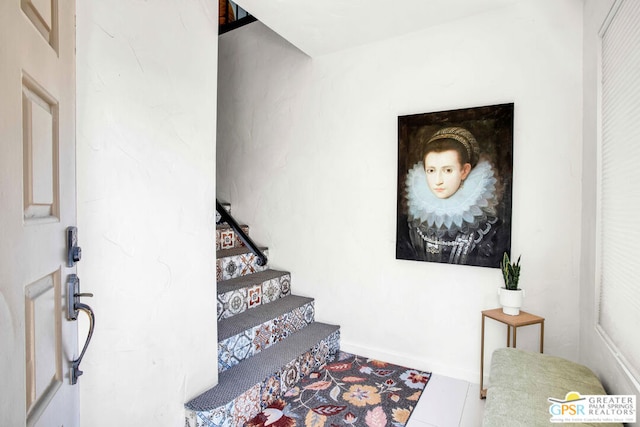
(74, 252)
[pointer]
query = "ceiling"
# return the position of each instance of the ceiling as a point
(319, 27)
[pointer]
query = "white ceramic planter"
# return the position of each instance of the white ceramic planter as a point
(511, 301)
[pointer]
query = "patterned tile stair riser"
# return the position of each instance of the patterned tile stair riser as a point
(240, 294)
(239, 411)
(238, 264)
(226, 237)
(351, 391)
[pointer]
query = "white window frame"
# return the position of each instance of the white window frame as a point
(633, 373)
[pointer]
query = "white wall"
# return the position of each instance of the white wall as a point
(307, 156)
(146, 181)
(593, 350)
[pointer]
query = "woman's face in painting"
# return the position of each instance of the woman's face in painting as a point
(444, 172)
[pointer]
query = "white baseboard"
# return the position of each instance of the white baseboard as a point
(411, 362)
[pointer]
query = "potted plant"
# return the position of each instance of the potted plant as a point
(510, 295)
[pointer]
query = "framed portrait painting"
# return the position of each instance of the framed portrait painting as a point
(455, 171)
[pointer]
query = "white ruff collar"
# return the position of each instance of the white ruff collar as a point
(471, 203)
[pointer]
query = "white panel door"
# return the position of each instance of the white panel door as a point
(37, 204)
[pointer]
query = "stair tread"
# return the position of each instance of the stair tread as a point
(224, 226)
(222, 253)
(241, 377)
(256, 316)
(240, 282)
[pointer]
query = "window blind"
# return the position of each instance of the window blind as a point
(619, 195)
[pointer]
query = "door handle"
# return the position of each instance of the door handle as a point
(73, 307)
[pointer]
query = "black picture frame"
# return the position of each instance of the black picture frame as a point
(474, 227)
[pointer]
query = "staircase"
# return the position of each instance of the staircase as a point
(268, 338)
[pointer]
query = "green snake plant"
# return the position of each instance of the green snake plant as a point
(510, 272)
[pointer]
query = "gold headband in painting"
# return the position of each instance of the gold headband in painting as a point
(461, 135)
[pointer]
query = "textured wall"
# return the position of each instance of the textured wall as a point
(146, 183)
(307, 155)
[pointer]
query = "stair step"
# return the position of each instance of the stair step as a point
(235, 262)
(226, 237)
(237, 295)
(245, 389)
(245, 335)
(253, 318)
(242, 250)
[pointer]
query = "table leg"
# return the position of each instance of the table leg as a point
(515, 330)
(508, 335)
(541, 336)
(482, 390)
